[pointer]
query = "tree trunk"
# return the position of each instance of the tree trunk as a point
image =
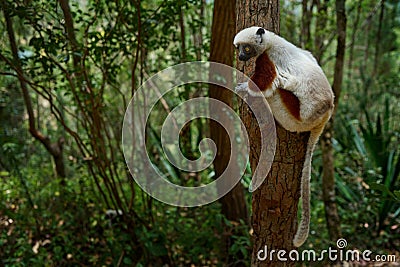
(328, 177)
(378, 40)
(54, 148)
(275, 202)
(328, 184)
(234, 206)
(305, 36)
(320, 33)
(354, 28)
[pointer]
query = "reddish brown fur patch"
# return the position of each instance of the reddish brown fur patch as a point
(264, 73)
(291, 102)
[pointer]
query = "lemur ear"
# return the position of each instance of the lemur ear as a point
(260, 31)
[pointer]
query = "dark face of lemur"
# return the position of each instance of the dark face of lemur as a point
(248, 50)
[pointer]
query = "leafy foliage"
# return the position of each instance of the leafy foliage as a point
(80, 86)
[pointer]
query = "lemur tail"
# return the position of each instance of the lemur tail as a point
(304, 225)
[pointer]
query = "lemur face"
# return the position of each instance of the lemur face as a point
(250, 43)
(246, 51)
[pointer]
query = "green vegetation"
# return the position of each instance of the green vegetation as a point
(80, 78)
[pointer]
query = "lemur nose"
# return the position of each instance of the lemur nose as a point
(243, 57)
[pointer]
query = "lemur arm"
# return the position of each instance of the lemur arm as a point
(285, 80)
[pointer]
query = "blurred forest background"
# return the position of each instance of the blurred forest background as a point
(67, 72)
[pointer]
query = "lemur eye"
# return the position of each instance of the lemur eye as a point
(247, 49)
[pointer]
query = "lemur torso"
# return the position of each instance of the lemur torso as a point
(297, 90)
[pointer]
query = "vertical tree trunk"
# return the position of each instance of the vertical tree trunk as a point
(328, 177)
(378, 39)
(275, 202)
(320, 29)
(305, 37)
(354, 28)
(234, 206)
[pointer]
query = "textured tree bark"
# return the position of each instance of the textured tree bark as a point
(328, 177)
(275, 202)
(234, 206)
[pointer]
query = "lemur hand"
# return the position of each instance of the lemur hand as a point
(242, 87)
(287, 81)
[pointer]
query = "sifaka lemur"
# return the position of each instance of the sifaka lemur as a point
(297, 90)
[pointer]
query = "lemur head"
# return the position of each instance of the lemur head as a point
(251, 42)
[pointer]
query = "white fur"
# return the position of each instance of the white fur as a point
(297, 71)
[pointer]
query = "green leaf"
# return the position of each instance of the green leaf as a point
(383, 188)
